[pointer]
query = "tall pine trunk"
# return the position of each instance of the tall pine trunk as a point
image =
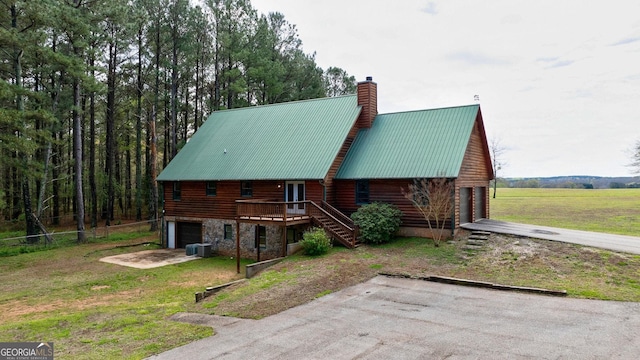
(55, 174)
(174, 97)
(196, 98)
(16, 187)
(185, 122)
(110, 120)
(139, 130)
(153, 203)
(127, 176)
(153, 152)
(77, 157)
(31, 227)
(93, 189)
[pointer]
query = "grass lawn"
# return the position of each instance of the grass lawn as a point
(615, 211)
(95, 310)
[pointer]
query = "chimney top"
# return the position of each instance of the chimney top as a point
(368, 100)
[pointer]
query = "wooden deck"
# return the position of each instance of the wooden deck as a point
(280, 213)
(272, 211)
(289, 220)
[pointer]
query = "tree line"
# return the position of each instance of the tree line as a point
(571, 182)
(96, 97)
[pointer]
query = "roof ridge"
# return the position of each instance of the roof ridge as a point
(283, 103)
(442, 108)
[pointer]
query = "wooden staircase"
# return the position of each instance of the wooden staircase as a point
(334, 222)
(338, 225)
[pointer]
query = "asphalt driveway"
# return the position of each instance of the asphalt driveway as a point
(392, 318)
(623, 243)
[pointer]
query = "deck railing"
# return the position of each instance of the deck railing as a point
(264, 209)
(336, 226)
(338, 214)
(269, 210)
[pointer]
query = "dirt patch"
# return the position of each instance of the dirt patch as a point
(14, 309)
(99, 287)
(314, 277)
(149, 259)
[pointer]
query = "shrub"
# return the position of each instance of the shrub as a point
(378, 222)
(315, 241)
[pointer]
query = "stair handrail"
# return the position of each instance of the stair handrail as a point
(337, 213)
(351, 230)
(348, 220)
(325, 212)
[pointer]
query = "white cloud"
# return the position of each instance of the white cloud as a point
(558, 80)
(626, 41)
(431, 8)
(560, 63)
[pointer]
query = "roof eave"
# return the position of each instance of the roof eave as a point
(485, 145)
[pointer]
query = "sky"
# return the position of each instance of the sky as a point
(558, 81)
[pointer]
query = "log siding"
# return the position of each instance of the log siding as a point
(195, 203)
(475, 173)
(386, 191)
(329, 179)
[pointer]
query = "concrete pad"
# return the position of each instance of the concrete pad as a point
(149, 259)
(397, 318)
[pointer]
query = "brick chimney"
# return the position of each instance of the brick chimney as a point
(368, 99)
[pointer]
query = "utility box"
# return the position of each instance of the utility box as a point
(204, 250)
(192, 249)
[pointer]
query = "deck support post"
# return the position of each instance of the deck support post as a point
(284, 232)
(238, 246)
(284, 241)
(257, 231)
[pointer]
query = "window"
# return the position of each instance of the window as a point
(362, 191)
(294, 235)
(211, 188)
(261, 236)
(246, 188)
(228, 232)
(177, 192)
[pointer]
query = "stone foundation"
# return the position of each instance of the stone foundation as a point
(422, 232)
(213, 232)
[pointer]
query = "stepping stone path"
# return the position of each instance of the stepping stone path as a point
(476, 240)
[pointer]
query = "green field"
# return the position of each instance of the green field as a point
(614, 211)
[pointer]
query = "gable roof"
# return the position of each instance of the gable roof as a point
(415, 144)
(290, 141)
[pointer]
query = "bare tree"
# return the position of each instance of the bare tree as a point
(635, 158)
(496, 150)
(434, 199)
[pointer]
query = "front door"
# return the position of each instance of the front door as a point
(479, 201)
(171, 234)
(465, 205)
(188, 233)
(295, 192)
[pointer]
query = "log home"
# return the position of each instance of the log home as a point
(251, 180)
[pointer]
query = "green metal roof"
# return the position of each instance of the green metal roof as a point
(296, 140)
(416, 144)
